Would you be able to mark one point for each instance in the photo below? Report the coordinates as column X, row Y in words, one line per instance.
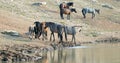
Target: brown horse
column 68, row 12
column 64, row 5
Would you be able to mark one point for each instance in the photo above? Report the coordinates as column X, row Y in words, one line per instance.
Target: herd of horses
column 66, row 8
column 41, row 28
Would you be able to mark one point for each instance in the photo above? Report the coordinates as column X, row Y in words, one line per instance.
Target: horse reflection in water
column 44, row 59
column 62, row 56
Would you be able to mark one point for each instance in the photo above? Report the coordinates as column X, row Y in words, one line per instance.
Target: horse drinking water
column 90, row 10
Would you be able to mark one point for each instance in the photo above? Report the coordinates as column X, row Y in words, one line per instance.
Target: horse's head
column 97, row 10
column 36, row 23
column 73, row 10
column 70, row 4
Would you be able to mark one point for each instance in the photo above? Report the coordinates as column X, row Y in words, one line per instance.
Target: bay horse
column 68, row 12
column 63, row 6
column 55, row 28
column 90, row 10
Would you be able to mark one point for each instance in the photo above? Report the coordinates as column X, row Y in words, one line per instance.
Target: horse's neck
column 96, row 11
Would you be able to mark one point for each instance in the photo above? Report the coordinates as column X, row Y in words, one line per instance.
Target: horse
column 90, row 10
column 39, row 30
column 70, row 30
column 31, row 32
column 63, row 6
column 55, row 28
column 68, row 12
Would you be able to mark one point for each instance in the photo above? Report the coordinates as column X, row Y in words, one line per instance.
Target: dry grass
column 20, row 14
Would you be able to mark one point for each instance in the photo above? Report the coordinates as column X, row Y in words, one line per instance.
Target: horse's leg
column 43, row 36
column 39, row 34
column 51, row 36
column 74, row 39
column 84, row 13
column 61, row 38
column 61, row 14
column 68, row 17
column 93, row 15
column 32, row 34
column 66, row 36
column 46, row 35
column 65, row 32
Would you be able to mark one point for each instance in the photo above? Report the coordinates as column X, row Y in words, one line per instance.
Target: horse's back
column 70, row 30
column 88, row 10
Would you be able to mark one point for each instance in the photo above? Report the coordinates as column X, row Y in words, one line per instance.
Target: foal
column 90, row 10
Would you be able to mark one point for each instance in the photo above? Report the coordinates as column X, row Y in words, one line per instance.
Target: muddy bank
column 24, row 52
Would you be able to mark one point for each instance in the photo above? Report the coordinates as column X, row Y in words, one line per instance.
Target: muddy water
column 97, row 53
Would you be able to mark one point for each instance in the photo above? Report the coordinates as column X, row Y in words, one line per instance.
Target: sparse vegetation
column 18, row 15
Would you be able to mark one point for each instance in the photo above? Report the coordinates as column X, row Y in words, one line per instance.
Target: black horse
column 39, row 30
column 68, row 12
column 90, row 10
column 55, row 28
column 64, row 5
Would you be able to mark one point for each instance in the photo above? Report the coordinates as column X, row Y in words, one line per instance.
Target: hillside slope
column 18, row 15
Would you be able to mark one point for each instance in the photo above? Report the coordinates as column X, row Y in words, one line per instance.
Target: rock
column 107, row 6
column 39, row 3
column 11, row 32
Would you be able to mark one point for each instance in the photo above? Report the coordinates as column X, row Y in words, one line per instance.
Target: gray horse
column 90, row 10
column 31, row 32
column 70, row 30
column 55, row 28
